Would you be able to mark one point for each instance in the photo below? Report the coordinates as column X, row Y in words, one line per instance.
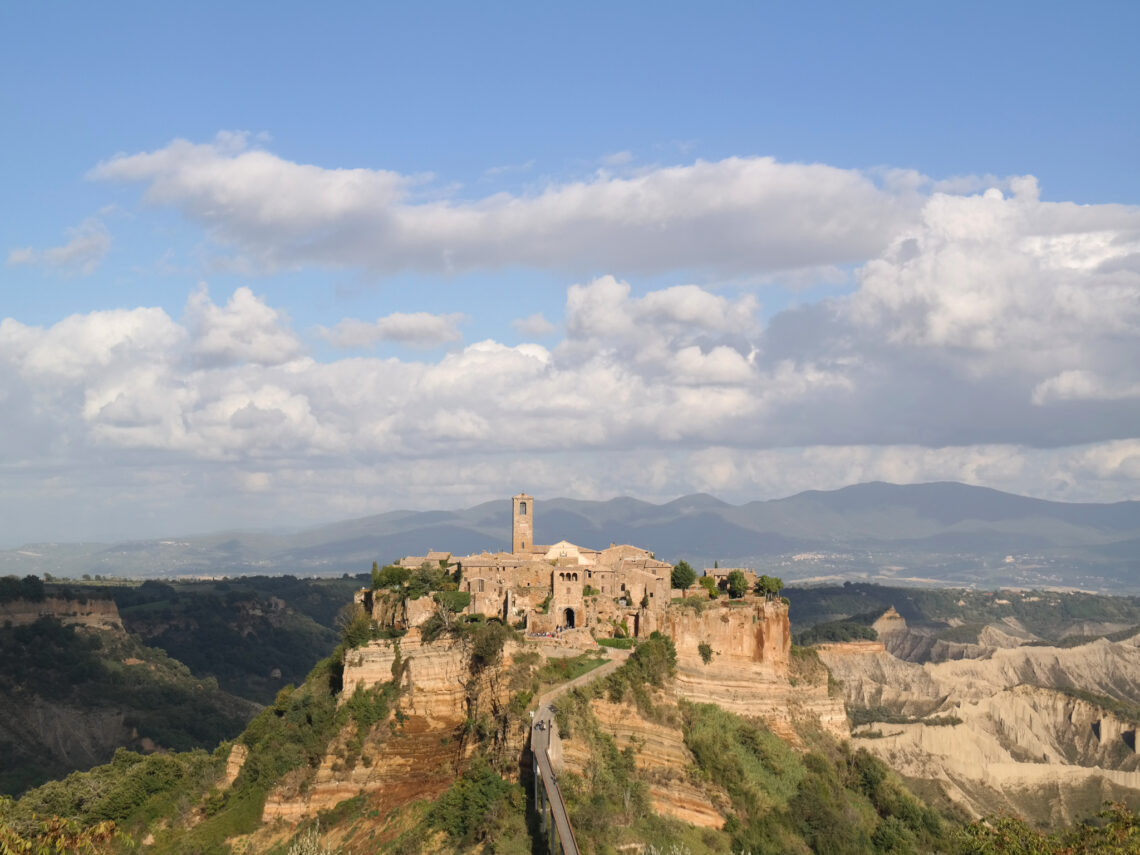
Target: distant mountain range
column 947, row 533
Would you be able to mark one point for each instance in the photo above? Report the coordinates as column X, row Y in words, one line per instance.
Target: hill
column 945, row 533
column 70, row 695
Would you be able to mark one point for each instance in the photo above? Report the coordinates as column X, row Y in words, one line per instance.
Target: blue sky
column 708, row 208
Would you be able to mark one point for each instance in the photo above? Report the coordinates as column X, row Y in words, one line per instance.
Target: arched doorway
column 568, row 622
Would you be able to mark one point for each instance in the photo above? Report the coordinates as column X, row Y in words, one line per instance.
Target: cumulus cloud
column 415, row 329
column 603, row 307
column 246, row 329
column 88, row 245
column 737, row 214
column 987, row 273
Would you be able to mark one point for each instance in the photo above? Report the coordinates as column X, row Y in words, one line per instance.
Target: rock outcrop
column 749, row 669
column 417, row 752
column 96, row 613
column 663, row 763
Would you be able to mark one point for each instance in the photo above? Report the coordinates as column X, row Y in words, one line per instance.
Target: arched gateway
column 568, row 621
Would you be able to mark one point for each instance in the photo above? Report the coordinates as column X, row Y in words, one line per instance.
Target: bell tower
column 522, row 529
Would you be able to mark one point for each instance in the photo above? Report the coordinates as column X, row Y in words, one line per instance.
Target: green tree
column 737, row 584
column 450, row 604
column 709, row 584
column 769, row 586
column 391, row 576
column 683, row 575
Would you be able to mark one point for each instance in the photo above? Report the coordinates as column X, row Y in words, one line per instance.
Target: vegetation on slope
column 83, row 673
column 1050, row 615
column 254, row 635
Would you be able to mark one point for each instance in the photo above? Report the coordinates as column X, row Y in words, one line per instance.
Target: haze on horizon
column 279, row 266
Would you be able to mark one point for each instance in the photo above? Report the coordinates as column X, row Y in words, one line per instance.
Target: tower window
column 522, row 509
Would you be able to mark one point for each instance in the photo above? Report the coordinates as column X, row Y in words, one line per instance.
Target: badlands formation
column 1004, row 724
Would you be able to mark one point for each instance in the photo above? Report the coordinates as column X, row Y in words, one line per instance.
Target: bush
column 453, row 601
column 465, row 810
column 706, row 652
column 487, row 642
column 391, row 576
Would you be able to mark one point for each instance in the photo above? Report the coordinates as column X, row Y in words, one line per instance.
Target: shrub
column 391, row 576
column 706, row 652
column 465, row 809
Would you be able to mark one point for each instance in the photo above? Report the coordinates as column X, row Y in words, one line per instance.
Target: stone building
column 621, row 588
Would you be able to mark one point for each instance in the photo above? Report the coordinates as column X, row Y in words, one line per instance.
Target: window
column 480, row 586
column 522, row 509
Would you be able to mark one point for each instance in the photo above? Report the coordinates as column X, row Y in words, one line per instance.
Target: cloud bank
column 738, row 214
column 991, row 337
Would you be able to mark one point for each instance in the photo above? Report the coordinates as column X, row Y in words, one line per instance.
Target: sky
column 274, row 265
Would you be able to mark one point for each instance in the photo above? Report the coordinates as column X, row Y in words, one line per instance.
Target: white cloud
column 604, row 308
column 534, row 325
column 617, row 158
column 988, row 273
column 415, row 329
column 89, row 244
column 244, row 330
column 1079, row 385
column 995, row 339
column 736, row 214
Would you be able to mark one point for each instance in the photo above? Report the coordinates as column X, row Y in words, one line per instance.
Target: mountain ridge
column 949, row 532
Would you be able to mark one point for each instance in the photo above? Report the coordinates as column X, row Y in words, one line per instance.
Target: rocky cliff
column 92, row 612
column 427, row 738
column 663, row 761
column 749, row 669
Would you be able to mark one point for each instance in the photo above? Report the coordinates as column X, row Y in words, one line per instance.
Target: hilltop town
column 560, row 587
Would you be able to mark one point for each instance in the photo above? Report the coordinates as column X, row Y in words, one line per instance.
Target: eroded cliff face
column 663, row 762
column 753, row 632
column 917, row 645
column 424, row 743
column 1023, row 742
column 749, row 672
column 94, row 613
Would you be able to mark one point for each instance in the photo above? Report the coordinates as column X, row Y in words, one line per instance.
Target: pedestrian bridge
column 548, row 801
